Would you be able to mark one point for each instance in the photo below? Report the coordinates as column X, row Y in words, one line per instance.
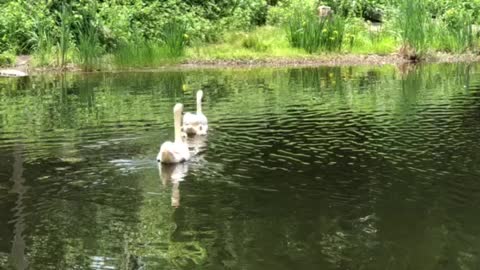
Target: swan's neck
column 177, row 125
column 199, row 103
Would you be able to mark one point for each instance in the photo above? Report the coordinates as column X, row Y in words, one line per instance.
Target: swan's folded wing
column 190, row 119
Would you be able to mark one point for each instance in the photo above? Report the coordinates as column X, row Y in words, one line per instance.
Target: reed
column 305, row 30
column 89, row 50
column 65, row 35
column 414, row 23
column 174, row 36
column 141, row 54
column 43, row 43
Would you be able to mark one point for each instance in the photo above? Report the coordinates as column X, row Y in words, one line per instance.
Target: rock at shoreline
column 325, row 12
column 12, row 73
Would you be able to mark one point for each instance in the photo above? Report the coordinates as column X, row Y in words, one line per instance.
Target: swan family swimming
column 193, row 125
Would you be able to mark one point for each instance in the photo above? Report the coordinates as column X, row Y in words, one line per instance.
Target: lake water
column 303, row 168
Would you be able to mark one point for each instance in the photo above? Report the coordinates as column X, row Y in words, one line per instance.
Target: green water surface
column 303, row 168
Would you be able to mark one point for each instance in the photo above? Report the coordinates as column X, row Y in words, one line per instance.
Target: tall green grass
column 174, row 36
column 305, row 30
column 254, row 42
column 43, row 43
column 63, row 45
column 413, row 22
column 147, row 53
column 141, row 54
column 89, row 50
column 456, row 37
column 420, row 32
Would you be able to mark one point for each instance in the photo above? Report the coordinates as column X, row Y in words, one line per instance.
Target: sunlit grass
column 273, row 44
column 277, row 46
column 143, row 54
column 382, row 45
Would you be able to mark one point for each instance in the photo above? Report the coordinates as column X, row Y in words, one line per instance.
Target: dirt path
column 20, row 69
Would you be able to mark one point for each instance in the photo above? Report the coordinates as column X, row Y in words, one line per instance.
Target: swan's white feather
column 173, row 152
column 177, row 151
column 196, row 123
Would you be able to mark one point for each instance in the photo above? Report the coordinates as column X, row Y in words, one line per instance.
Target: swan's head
column 178, row 109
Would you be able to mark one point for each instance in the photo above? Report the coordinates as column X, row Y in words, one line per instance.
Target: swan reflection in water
column 197, row 144
column 176, row 173
column 173, row 173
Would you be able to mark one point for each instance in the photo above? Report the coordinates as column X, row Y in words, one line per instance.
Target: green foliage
column 42, row 43
column 372, row 10
column 7, row 58
column 305, row 30
column 439, row 8
column 420, row 30
column 361, row 37
column 254, row 42
column 368, row 9
column 281, row 13
column 90, row 31
column 141, row 53
column 119, row 20
column 459, row 38
column 89, row 49
column 65, row 36
column 175, row 37
column 413, row 22
column 15, row 25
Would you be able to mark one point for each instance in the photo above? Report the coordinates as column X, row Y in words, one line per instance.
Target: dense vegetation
column 124, row 33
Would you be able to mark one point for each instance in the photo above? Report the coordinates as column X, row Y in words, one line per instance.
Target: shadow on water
column 331, row 168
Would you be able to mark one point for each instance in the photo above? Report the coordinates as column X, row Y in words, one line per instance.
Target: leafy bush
column 7, row 58
column 15, row 27
column 372, row 10
column 281, row 13
column 368, row 9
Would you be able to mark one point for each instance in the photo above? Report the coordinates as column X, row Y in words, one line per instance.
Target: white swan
column 177, row 151
column 196, row 123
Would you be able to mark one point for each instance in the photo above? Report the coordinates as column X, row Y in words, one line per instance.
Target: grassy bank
column 266, row 45
column 292, row 32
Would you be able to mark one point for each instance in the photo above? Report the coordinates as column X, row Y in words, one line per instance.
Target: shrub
column 15, row 27
column 368, row 9
column 281, row 13
column 7, row 58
